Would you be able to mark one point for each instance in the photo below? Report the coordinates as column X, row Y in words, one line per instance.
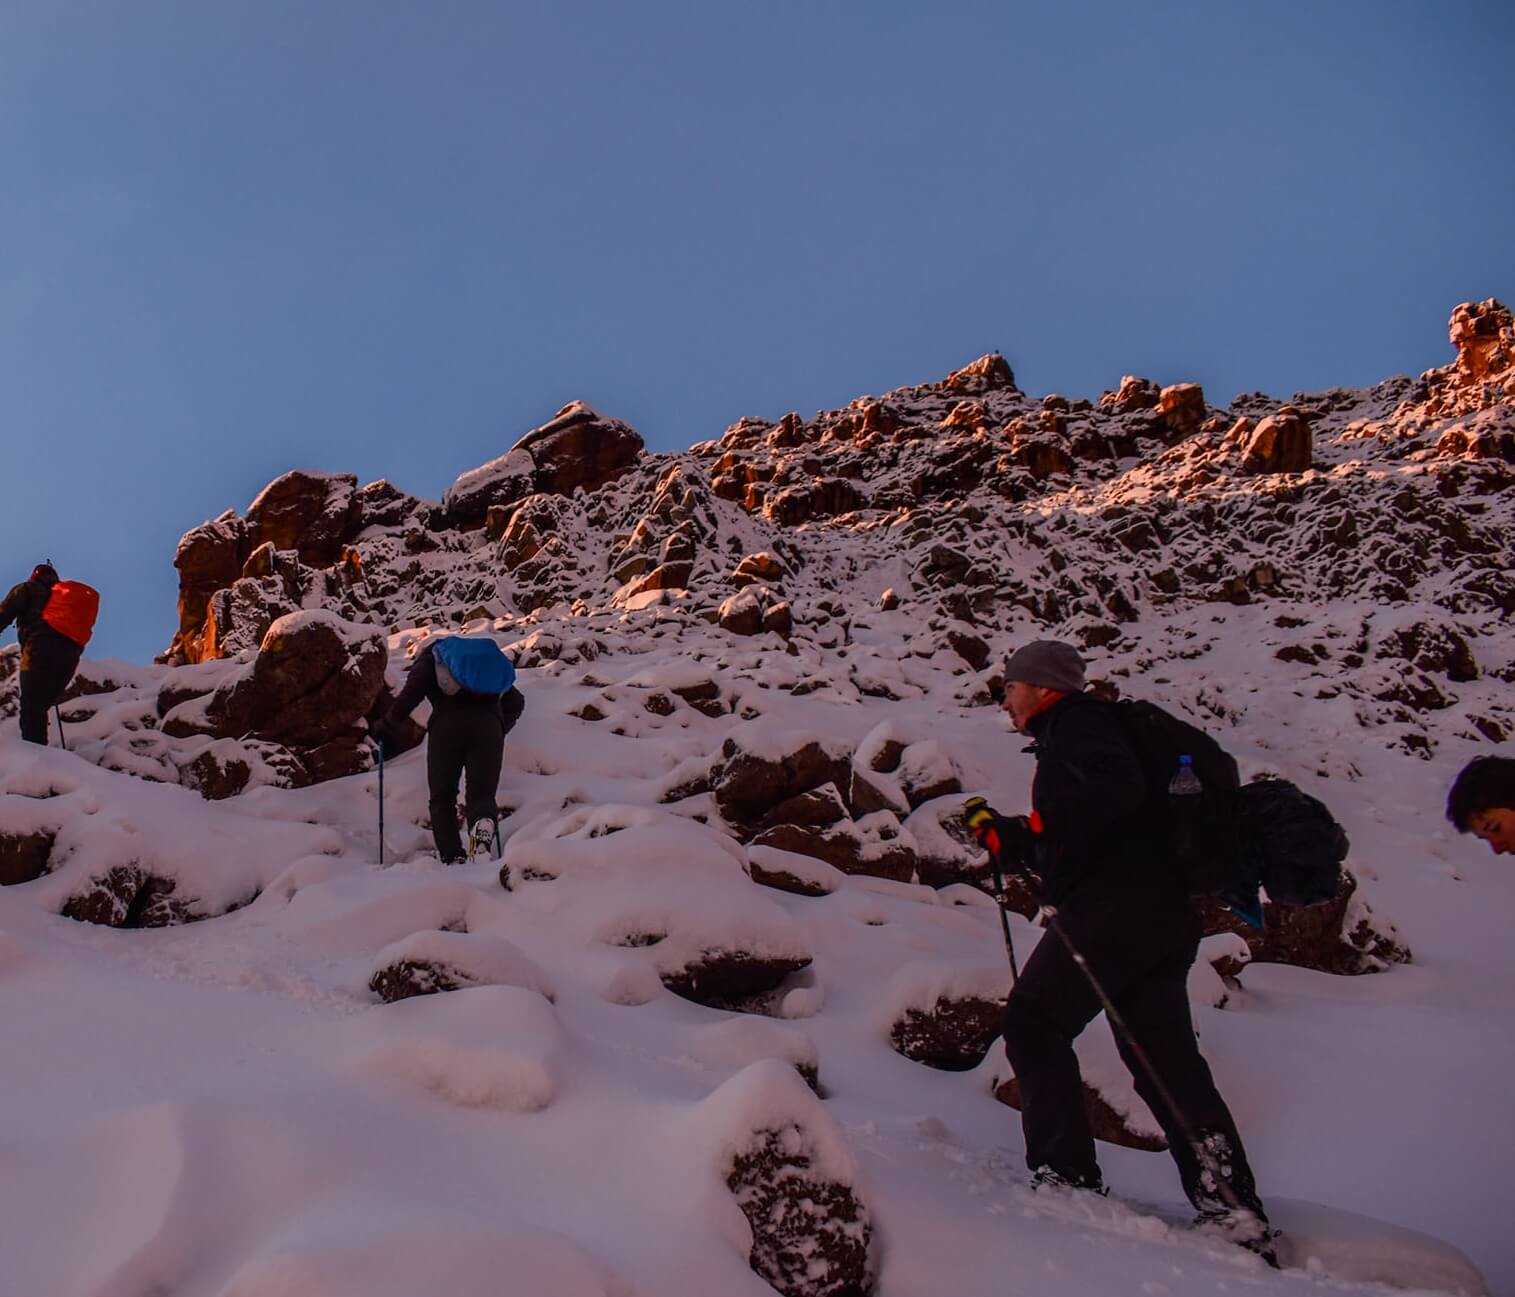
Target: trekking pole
column 1202, row 1154
column 58, row 712
column 379, row 749
column 972, row 807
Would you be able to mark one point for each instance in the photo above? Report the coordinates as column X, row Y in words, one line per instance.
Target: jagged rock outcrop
column 578, row 448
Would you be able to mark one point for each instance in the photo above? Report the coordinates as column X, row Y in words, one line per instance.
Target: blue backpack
column 474, row 666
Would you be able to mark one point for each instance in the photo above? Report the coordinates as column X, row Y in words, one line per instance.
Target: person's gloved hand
column 1008, row 839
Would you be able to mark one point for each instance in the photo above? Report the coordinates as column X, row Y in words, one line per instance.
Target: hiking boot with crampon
column 1244, row 1228
column 481, row 839
column 1045, row 1178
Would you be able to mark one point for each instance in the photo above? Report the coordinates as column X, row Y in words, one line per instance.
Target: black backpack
column 1232, row 837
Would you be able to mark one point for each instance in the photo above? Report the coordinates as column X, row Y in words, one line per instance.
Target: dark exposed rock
column 24, row 856
column 954, row 1035
column 578, row 448
column 128, row 896
column 1182, row 408
column 749, row 785
column 310, row 513
column 725, row 979
column 314, row 678
column 1282, row 443
column 214, row 776
column 409, row 977
column 846, row 847
column 810, row 1236
column 818, row 808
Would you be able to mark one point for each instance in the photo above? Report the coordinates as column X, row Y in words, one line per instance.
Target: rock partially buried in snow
column 129, row 896
column 24, row 856
column 1105, row 1122
column 793, row 872
column 481, row 1047
column 790, row 1172
column 738, row 1042
column 945, row 1015
column 875, row 845
column 731, row 978
column 426, row 963
column 761, row 767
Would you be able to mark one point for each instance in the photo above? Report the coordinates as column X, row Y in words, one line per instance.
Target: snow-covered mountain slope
column 741, row 966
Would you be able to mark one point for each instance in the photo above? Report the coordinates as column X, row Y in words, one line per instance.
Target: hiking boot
column 1245, row 1228
column 480, row 839
column 1044, row 1177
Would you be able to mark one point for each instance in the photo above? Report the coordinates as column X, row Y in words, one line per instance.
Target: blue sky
column 388, row 238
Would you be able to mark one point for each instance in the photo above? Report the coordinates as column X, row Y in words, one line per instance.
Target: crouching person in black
column 466, row 736
column 1121, row 906
column 48, row 657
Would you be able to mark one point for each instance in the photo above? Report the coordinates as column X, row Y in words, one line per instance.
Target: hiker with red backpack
column 1122, row 937
column 54, row 620
column 470, row 684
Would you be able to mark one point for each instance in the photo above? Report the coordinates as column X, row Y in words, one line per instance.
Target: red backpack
column 71, row 610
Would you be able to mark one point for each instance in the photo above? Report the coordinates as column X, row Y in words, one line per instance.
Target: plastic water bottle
column 1185, row 783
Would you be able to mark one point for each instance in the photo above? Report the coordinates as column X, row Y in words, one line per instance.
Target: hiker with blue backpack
column 470, row 684
column 54, row 620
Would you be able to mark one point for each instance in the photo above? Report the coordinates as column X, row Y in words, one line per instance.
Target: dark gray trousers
column 1139, row 940
column 462, row 742
column 48, row 663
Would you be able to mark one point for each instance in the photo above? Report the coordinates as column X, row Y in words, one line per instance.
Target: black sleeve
column 421, row 681
column 15, row 604
column 512, row 704
column 1090, row 779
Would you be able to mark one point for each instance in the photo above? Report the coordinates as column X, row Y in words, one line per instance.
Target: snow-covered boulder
column 761, row 766
column 791, row 1174
column 429, row 962
column 314, row 678
column 945, row 1014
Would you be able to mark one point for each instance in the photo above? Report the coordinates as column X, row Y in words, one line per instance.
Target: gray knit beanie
column 1049, row 663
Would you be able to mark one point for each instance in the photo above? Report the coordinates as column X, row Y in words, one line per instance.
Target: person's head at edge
column 1037, row 675
column 1482, row 802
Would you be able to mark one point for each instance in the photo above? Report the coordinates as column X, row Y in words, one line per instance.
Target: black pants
column 459, row 740
column 48, row 663
column 1139, row 939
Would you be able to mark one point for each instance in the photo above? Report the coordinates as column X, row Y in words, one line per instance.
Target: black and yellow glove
column 1008, row 839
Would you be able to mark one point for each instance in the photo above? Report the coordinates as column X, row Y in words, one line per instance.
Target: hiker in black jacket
column 466, row 734
column 1099, row 852
column 48, row 657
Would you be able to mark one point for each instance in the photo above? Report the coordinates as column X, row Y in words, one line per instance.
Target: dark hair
column 1484, row 784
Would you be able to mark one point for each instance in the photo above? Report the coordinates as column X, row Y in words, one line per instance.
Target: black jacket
column 1092, row 798
column 421, row 683
column 24, row 605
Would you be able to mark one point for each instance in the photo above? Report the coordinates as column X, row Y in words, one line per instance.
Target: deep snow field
column 224, row 1109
